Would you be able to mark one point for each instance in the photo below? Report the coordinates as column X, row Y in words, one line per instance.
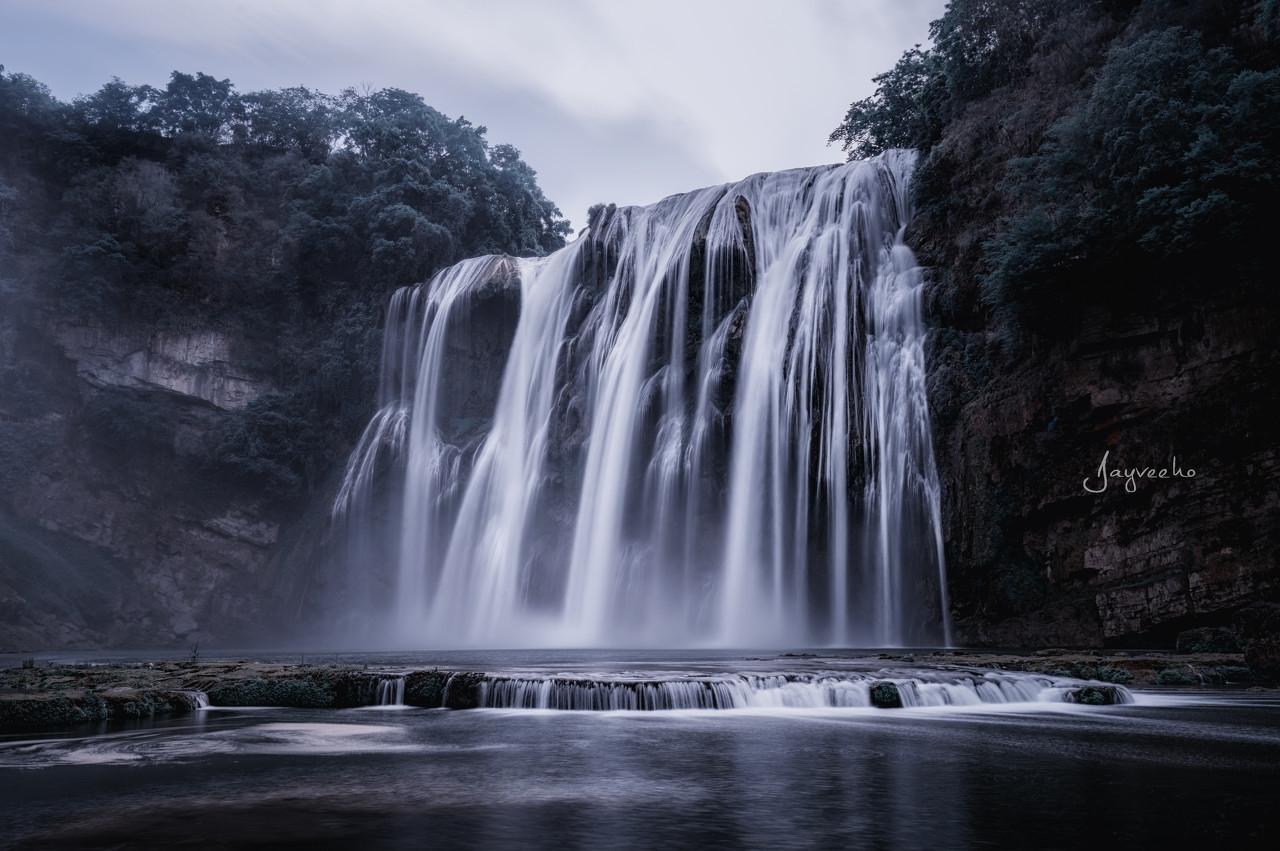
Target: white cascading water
column 390, row 692
column 711, row 428
column 789, row 690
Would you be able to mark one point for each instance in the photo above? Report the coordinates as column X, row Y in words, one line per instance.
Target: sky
column 609, row 101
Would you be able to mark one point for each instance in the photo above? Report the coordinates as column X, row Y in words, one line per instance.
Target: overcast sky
column 608, row 100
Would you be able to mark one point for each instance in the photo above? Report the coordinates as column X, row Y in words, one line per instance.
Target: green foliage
column 1173, row 155
column 978, row 45
column 984, row 44
column 904, row 112
column 1100, row 672
column 272, row 442
column 1085, row 156
column 286, row 216
column 1174, row 677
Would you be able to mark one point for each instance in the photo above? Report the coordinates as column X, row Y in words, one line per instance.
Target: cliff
column 192, row 282
column 1092, row 207
column 1037, row 559
column 116, row 529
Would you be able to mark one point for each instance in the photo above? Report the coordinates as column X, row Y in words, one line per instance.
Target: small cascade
column 390, row 691
column 200, row 699
column 781, row 690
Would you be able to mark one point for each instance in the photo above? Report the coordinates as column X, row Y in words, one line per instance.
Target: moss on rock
column 885, row 695
column 1208, row 639
column 1176, row 677
column 48, row 710
column 425, row 688
column 303, row 692
column 1095, row 695
column 462, row 691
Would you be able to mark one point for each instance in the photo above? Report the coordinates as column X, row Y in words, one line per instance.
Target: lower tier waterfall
column 782, row 690
column 702, row 422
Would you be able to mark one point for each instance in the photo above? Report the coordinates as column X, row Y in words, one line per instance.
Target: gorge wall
column 1033, row 557
column 114, row 528
column 1093, row 196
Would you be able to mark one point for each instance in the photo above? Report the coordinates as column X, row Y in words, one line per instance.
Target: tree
column 284, row 215
column 197, row 104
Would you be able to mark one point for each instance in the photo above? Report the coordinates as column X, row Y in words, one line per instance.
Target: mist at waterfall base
column 710, row 428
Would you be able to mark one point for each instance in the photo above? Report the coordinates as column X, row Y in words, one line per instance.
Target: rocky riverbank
column 36, row 695
column 39, row 695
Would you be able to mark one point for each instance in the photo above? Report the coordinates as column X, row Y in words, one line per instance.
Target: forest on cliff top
column 284, row 217
column 1084, row 153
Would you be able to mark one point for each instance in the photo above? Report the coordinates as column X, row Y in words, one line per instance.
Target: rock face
column 43, row 712
column 1033, row 557
column 195, row 364
column 116, row 527
column 114, row 531
column 1260, row 634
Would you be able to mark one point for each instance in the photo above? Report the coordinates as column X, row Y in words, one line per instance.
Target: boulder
column 1095, row 695
column 885, row 695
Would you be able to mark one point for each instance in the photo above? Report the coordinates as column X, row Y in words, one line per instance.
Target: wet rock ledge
column 38, row 696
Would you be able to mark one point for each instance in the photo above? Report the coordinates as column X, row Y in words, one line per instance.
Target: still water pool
column 1185, row 769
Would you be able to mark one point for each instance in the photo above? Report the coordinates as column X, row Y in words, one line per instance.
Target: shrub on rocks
column 1259, row 631
column 1176, row 677
column 1209, row 639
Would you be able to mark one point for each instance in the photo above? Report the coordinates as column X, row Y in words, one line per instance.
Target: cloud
column 625, row 102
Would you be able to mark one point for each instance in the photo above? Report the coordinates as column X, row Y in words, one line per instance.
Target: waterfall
column 702, row 422
column 390, row 691
column 792, row 690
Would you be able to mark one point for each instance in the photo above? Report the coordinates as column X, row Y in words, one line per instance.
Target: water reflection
column 492, row 778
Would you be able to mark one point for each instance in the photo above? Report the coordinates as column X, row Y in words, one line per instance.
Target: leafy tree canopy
column 1087, row 153
column 285, row 215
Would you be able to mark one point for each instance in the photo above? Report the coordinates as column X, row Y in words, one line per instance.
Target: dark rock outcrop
column 48, row 711
column 48, row 696
column 1096, row 695
column 885, row 695
column 426, row 688
column 113, row 528
column 1033, row 557
column 1259, row 629
column 462, row 690
column 302, row 692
